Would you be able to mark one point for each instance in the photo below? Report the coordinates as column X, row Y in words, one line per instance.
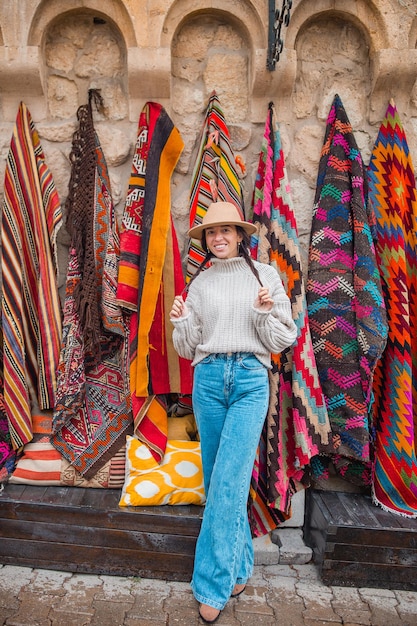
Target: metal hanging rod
column 277, row 17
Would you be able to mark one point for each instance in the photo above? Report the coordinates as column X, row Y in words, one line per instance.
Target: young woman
column 236, row 313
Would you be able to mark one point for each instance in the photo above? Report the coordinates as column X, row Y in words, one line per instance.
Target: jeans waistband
column 231, row 355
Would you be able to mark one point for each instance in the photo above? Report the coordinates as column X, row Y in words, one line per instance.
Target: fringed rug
column 345, row 304
column 393, row 197
column 215, row 176
column 92, row 414
column 150, row 275
column 297, row 423
column 31, row 311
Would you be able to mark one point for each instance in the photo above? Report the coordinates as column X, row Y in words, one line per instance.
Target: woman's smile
column 223, row 241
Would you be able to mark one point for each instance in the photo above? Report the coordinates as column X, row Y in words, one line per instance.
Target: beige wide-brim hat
column 219, row 213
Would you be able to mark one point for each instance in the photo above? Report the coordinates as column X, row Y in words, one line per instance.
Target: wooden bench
column 84, row 530
column 356, row 543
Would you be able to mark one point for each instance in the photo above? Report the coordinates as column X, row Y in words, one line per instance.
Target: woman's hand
column 264, row 300
column 179, row 308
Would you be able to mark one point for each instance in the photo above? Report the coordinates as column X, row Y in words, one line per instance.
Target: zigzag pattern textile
column 214, row 177
column 297, row 423
column 92, row 414
column 31, row 311
column 150, row 274
column 393, row 196
column 345, row 304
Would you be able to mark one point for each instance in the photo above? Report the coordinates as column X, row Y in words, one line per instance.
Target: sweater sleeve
column 276, row 328
column 187, row 331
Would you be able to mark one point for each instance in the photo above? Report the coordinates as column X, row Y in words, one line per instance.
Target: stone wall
column 177, row 51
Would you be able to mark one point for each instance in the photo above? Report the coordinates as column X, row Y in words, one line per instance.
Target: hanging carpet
column 92, row 414
column 8, row 455
column 345, row 304
column 393, row 196
column 150, row 275
column 31, row 312
column 297, row 422
column 214, row 177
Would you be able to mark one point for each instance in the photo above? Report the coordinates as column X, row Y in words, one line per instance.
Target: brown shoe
column 209, row 614
column 237, row 590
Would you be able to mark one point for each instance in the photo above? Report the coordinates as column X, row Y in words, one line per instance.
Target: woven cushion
column 110, row 476
column 42, row 464
column 178, row 480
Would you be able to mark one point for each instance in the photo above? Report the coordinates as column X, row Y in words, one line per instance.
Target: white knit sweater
column 222, row 317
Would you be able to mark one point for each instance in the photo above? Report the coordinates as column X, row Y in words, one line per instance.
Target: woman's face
column 222, row 241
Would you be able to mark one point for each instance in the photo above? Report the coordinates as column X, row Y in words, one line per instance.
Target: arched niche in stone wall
column 114, row 10
column 84, row 49
column 247, row 23
column 392, row 63
column 209, row 52
column 363, row 21
column 362, row 13
column 105, row 31
column 332, row 57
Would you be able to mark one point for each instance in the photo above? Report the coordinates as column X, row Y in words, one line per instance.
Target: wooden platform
column 84, row 530
column 358, row 544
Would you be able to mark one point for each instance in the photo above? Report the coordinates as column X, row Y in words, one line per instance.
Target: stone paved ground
column 277, row 595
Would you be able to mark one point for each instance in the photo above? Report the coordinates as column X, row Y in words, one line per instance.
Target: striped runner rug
column 8, row 455
column 150, row 275
column 30, row 307
column 297, row 422
column 215, row 176
column 393, row 196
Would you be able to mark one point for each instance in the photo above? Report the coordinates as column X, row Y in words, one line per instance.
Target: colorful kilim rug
column 8, row 456
column 214, row 177
column 31, row 311
column 345, row 304
column 297, row 422
column 92, row 414
column 393, row 196
column 150, row 275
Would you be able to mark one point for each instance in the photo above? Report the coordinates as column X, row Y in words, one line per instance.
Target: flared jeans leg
column 230, row 401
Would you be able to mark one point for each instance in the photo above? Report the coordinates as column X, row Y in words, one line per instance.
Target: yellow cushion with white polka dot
column 177, row 480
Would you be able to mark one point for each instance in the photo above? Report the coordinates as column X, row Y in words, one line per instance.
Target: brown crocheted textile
column 80, row 224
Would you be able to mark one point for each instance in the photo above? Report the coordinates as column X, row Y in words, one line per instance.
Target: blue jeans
column 230, row 402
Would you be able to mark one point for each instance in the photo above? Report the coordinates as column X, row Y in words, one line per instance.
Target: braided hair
column 244, row 251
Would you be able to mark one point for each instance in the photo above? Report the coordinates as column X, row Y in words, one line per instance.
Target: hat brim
column 197, row 231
